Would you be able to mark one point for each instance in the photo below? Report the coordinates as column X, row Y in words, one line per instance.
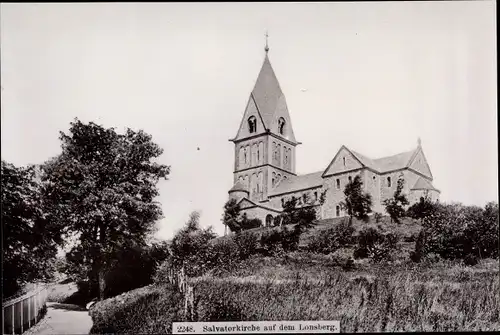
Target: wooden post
column 3, row 321
column 13, row 321
column 29, row 312
column 22, row 310
column 35, row 308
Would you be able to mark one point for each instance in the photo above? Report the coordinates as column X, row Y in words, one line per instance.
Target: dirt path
column 63, row 319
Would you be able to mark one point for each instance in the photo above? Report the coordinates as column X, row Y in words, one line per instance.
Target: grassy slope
column 403, row 296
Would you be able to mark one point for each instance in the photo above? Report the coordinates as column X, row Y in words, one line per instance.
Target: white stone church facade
column 264, row 165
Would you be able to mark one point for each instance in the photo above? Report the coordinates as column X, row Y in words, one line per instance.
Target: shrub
column 250, row 223
column 376, row 245
column 332, row 238
column 454, row 231
column 378, row 217
column 190, row 247
column 471, row 260
column 247, row 243
column 271, row 243
column 395, row 206
column 357, row 203
column 148, row 310
column 133, row 267
column 222, row 254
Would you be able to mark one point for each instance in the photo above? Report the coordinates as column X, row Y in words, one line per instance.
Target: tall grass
column 442, row 296
column 402, row 302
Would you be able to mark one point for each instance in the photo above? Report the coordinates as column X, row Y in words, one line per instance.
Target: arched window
column 315, row 196
column 261, row 152
column 269, row 220
column 254, row 154
column 260, row 183
column 285, row 158
column 241, row 156
column 349, row 178
column 344, row 160
column 337, row 210
column 281, row 126
column 273, row 180
column 246, row 155
column 252, row 124
column 389, row 182
column 282, row 202
column 304, row 197
column 253, row 185
column 278, row 155
column 338, row 184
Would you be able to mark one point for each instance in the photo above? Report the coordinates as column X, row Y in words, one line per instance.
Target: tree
column 356, row 203
column 422, row 209
column 102, row 188
column 395, row 206
column 231, row 217
column 30, row 240
column 190, row 246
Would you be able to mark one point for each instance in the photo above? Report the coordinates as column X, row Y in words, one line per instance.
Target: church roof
column 239, row 186
column 269, row 97
column 386, row 164
column 297, row 183
column 423, row 184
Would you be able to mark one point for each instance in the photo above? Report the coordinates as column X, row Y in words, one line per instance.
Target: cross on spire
column 267, row 46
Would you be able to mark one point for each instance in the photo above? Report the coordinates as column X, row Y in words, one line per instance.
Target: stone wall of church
column 312, row 193
column 250, row 153
column 281, row 154
column 415, row 195
column 259, row 213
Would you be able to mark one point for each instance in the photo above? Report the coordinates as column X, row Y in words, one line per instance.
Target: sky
column 372, row 76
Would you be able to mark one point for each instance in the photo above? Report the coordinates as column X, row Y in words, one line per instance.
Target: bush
column 332, row 238
column 378, row 217
column 250, row 223
column 148, row 310
column 471, row 260
column 454, row 231
column 270, row 243
column 191, row 247
column 133, row 267
column 247, row 244
column 377, row 245
column 222, row 254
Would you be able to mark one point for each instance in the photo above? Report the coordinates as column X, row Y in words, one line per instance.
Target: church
column 264, row 164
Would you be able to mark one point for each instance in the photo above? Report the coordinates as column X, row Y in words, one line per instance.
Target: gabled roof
column 384, row 164
column 297, row 183
column 239, row 186
column 395, row 162
column 423, row 184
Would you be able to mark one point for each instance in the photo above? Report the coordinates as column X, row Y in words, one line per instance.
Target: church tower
column 264, row 146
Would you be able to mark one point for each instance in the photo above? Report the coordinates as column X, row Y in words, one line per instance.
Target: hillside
column 408, row 229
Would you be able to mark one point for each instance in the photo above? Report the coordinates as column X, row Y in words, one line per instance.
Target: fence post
column 13, row 323
column 29, row 312
column 36, row 308
column 22, row 310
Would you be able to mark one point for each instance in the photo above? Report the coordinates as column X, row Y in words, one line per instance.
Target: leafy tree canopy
column 102, row 188
column 357, row 203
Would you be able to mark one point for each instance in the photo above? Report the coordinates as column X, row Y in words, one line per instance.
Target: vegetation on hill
column 395, row 206
column 29, row 237
column 356, row 203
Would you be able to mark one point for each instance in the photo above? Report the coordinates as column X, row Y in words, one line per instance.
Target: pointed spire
column 419, row 141
column 267, row 46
